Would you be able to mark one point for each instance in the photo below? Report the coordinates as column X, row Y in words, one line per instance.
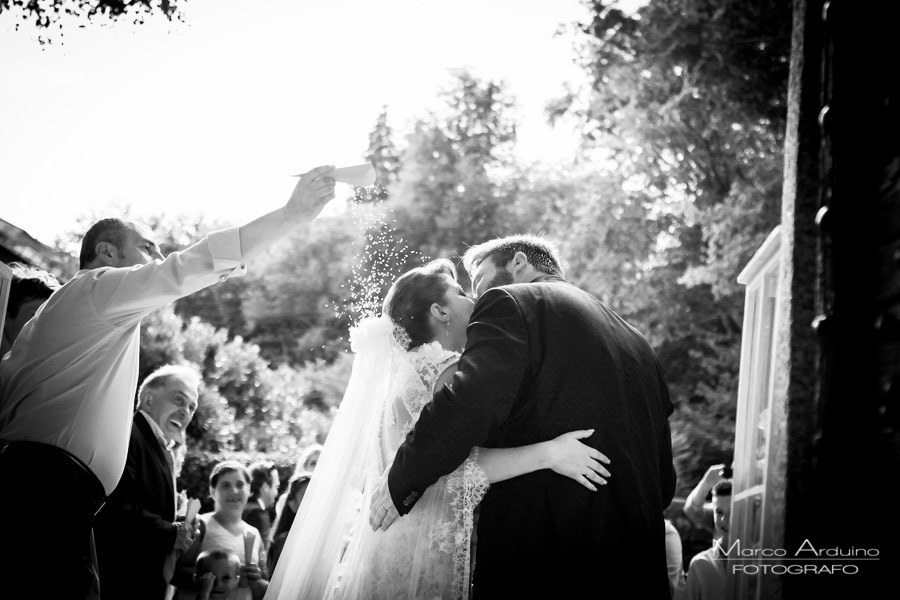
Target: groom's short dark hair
column 541, row 253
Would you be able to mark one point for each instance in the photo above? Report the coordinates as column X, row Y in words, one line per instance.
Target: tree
column 294, row 297
column 687, row 98
column 45, row 14
column 450, row 189
column 245, row 406
column 382, row 152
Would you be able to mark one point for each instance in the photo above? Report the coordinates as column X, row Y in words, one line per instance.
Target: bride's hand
column 578, row 461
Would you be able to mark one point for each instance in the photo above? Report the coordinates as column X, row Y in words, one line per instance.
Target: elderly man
column 67, row 386
column 136, row 530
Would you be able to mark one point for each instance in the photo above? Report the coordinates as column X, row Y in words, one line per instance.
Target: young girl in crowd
column 223, row 529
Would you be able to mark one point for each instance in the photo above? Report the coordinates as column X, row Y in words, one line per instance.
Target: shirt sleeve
column 674, row 558
column 225, row 249
column 125, row 295
column 462, row 414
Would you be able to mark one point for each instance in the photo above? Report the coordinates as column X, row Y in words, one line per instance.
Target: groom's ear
column 518, row 262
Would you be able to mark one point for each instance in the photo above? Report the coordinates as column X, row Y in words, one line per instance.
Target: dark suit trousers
column 48, row 505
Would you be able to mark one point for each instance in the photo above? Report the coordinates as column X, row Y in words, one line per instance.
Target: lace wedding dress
column 332, row 551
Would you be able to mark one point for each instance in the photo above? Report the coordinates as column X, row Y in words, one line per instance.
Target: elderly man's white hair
column 160, row 378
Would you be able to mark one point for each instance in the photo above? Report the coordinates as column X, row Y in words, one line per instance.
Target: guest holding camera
column 706, row 576
column 696, row 508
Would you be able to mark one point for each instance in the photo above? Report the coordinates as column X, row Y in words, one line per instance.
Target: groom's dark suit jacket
column 134, row 531
column 544, row 358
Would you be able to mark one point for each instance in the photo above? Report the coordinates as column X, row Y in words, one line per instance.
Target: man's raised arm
column 314, row 190
column 125, row 295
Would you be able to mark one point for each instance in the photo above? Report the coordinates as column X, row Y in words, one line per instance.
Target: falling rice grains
column 381, row 260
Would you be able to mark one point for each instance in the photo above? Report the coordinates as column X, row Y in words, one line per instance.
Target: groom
column 544, row 357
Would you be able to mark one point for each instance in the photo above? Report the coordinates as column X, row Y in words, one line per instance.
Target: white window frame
column 5, row 282
column 756, row 385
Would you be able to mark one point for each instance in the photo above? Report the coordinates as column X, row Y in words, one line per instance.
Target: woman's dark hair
column 28, row 283
column 297, row 483
column 286, row 519
column 410, row 298
column 260, row 473
column 225, row 467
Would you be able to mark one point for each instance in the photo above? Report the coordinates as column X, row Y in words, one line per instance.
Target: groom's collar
column 546, row 277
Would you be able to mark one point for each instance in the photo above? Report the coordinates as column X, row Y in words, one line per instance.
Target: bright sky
column 214, row 114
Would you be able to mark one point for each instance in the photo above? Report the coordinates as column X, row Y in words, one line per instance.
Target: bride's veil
column 335, row 497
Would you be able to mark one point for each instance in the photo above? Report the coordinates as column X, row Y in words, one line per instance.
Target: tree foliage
column 450, row 193
column 382, row 151
column 52, row 14
column 294, row 297
column 245, row 406
column 687, row 98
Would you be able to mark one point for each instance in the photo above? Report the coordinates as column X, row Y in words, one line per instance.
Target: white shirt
column 168, row 452
column 156, row 429
column 674, row 558
column 705, row 577
column 71, row 376
column 217, row 537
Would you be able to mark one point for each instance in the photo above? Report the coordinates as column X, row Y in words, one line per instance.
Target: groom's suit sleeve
column 480, row 396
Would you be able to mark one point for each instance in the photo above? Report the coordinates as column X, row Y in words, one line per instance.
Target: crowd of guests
column 145, row 546
column 68, row 398
column 142, row 537
column 244, row 532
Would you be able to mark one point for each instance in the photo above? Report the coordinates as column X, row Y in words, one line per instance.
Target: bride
column 401, row 358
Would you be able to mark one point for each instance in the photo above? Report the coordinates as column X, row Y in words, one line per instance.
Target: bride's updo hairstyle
column 409, row 300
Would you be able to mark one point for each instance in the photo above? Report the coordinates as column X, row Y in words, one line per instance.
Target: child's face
column 231, row 492
column 226, row 573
